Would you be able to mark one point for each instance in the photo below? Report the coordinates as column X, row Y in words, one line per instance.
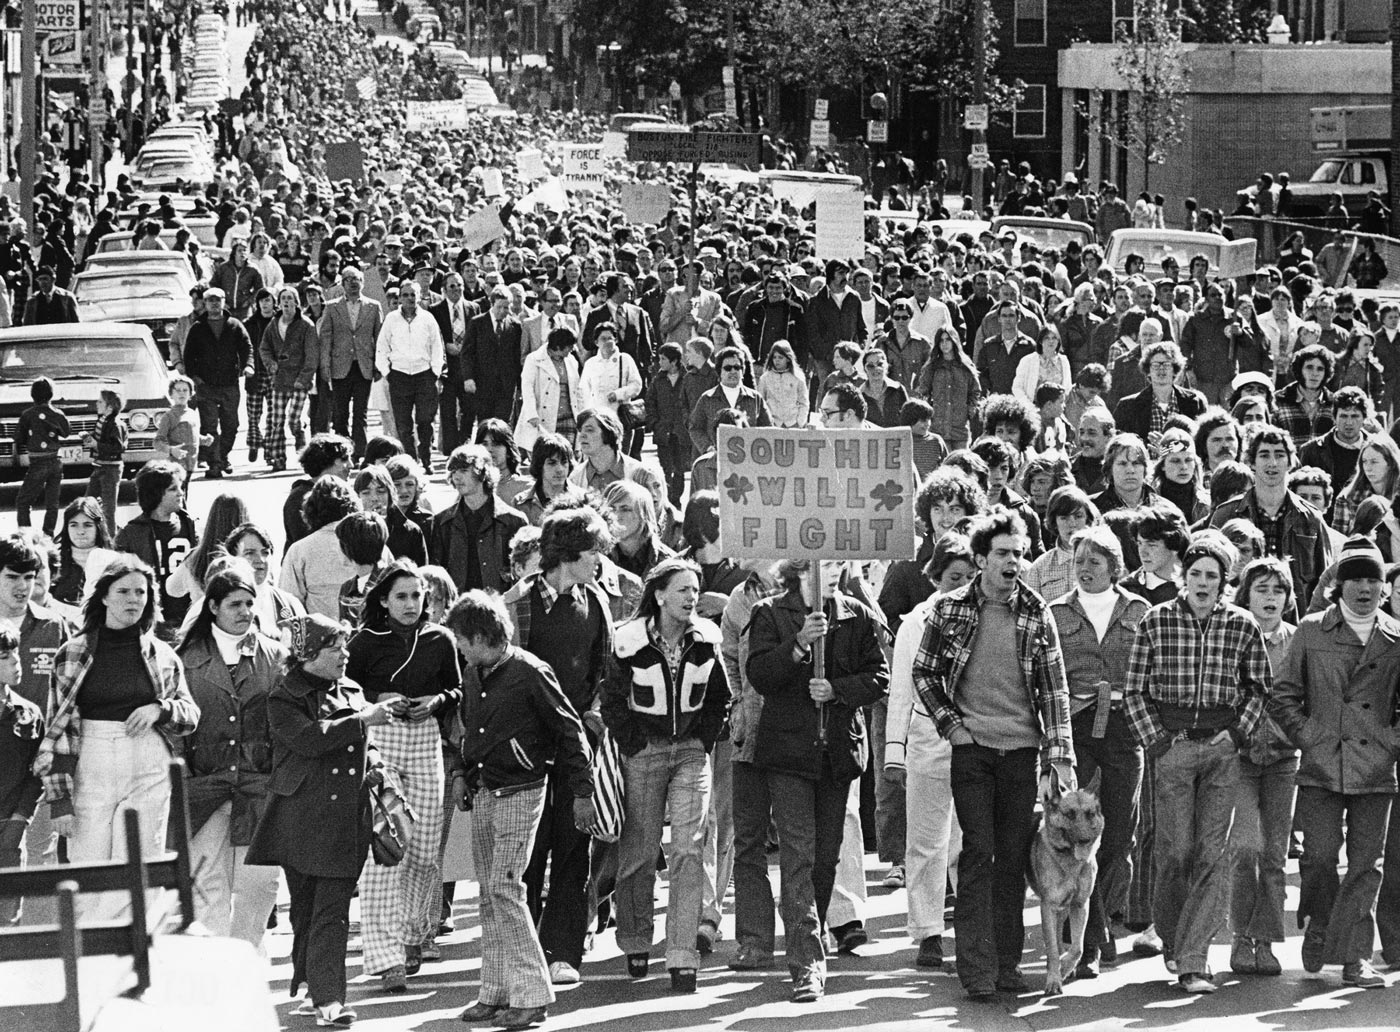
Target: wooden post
column 814, row 571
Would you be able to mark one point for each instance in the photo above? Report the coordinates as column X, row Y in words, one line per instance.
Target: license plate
column 73, row 453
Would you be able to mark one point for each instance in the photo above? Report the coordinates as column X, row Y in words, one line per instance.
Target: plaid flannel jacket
column 1181, row 661
column 947, row 647
column 58, row 755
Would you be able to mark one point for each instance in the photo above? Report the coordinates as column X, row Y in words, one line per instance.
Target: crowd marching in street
column 1175, row 501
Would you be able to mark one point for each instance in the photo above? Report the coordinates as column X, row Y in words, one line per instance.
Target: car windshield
column 1045, row 237
column 1153, row 251
column 72, row 359
column 1327, row 172
column 117, row 287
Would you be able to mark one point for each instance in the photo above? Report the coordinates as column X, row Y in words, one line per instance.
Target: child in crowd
column 362, row 537
column 668, row 419
column 1249, row 545
column 525, row 552
column 1068, row 511
column 929, row 448
column 409, row 482
column 700, row 375
column 1055, row 433
column 704, row 471
column 108, row 447
column 39, row 435
column 846, row 359
column 178, row 435
column 442, row 592
column 21, row 731
column 381, row 448
column 783, row 387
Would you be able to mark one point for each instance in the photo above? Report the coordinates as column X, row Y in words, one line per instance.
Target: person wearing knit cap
column 1198, row 678
column 1335, row 700
column 1376, row 523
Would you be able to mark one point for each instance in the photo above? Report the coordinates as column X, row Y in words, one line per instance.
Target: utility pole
column 147, row 59
column 1394, row 116
column 97, row 91
column 29, row 110
column 979, row 91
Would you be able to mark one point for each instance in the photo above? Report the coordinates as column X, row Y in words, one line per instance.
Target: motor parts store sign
column 816, row 494
column 58, row 16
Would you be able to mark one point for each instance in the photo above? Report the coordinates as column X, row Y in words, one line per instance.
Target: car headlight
column 140, row 421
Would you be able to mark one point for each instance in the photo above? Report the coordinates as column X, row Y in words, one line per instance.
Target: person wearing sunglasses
column 729, row 394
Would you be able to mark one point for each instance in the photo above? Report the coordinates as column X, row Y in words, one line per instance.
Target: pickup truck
column 1353, row 148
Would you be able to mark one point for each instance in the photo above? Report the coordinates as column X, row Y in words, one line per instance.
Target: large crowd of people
column 1173, row 499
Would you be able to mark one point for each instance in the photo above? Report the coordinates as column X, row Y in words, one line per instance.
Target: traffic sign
column 975, row 116
column 58, row 15
column 878, row 132
column 819, row 135
column 978, row 161
column 980, row 150
column 691, row 148
column 820, row 108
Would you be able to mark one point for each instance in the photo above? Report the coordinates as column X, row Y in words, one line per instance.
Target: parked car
column 82, row 359
column 1045, row 234
column 1229, row 259
column 153, row 297
column 133, row 263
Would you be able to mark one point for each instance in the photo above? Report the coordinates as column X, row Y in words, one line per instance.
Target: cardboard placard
column 840, row 224
column 549, row 195
column 583, row 166
column 529, row 165
column 819, row 133
column 614, row 145
column 436, row 115
column 646, row 203
column 483, row 227
column 345, row 161
column 816, row 494
column 491, row 182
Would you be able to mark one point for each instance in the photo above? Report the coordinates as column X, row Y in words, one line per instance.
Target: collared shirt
column 1181, row 661
column 409, row 347
column 1161, row 414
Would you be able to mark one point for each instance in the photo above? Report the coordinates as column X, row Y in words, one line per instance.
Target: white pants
column 933, row 837
column 230, row 898
column 116, row 773
column 848, row 894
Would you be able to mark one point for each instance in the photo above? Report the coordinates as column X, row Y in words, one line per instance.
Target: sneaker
column 445, row 928
column 1149, row 943
column 561, row 972
column 1314, row 939
column 751, row 958
column 1088, row 966
column 683, row 980
column 894, row 878
column 412, row 959
column 705, row 938
column 304, row 1008
column 849, row 937
column 1264, row 960
column 807, row 988
column 1361, row 975
column 430, row 950
column 395, row 980
column 335, row 1015
column 930, row 953
column 1194, row 983
column 1243, row 958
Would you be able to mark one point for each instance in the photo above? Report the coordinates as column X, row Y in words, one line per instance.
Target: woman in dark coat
column 317, row 823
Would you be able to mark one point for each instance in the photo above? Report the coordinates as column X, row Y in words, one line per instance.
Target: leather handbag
column 392, row 821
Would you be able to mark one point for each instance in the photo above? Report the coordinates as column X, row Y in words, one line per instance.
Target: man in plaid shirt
column 999, row 717
column 1198, row 678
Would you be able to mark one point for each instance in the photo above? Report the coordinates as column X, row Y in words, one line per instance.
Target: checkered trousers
column 284, row 406
column 257, row 407
column 513, row 969
column 393, row 900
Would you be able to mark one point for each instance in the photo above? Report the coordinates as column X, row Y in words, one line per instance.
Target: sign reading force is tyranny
column 816, row 494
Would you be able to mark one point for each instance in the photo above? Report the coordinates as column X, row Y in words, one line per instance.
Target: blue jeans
column 415, row 401
column 1346, row 907
column 994, row 794
column 753, row 889
column 43, row 480
column 104, row 483
column 1388, row 903
column 1119, row 760
column 678, row 774
column 1263, row 819
column 1196, row 784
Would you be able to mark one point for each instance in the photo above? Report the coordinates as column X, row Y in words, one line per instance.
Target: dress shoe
column 253, row 453
column 1243, row 960
column 430, row 950
column 1196, row 983
column 894, row 879
column 395, row 980
column 751, row 958
column 1012, row 981
column 1148, row 943
column 849, row 937
column 412, row 959
column 1264, row 960
column 482, row 1013
column 520, row 1017
column 1314, row 939
column 1088, row 966
column 705, row 938
column 637, row 964
column 930, row 953
column 683, row 980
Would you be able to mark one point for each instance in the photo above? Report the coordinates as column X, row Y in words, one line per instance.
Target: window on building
column 1030, row 23
column 1124, row 13
column 1029, row 119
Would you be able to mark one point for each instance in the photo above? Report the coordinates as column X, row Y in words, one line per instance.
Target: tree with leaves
column 1152, row 62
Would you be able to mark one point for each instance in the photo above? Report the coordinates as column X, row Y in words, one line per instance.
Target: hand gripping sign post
column 816, row 494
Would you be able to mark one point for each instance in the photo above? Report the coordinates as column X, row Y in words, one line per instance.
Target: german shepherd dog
column 1063, row 866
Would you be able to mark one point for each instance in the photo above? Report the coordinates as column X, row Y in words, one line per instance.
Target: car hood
column 74, row 398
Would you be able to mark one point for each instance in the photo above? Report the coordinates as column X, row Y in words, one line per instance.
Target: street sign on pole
column 819, row 135
column 978, row 161
column 980, row 150
column 819, row 109
column 878, row 132
column 694, row 148
column 975, row 116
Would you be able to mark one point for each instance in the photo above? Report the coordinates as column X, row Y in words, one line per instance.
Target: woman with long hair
column 398, row 655
column 231, row 672
column 783, row 386
column 496, row 436
column 291, row 353
column 118, row 706
column 1177, row 475
column 259, row 385
column 551, row 462
column 1377, row 475
column 665, row 706
column 950, row 383
column 375, row 489
column 323, row 766
column 639, row 546
column 84, row 528
column 273, row 608
column 225, row 512
column 1048, row 365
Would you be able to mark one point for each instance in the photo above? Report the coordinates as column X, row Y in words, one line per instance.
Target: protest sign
column 491, row 183
column 483, row 227
column 529, row 165
column 819, row 133
column 614, row 145
column 345, row 161
column 583, row 166
column 392, row 176
column 646, row 202
column 436, row 115
column 816, row 494
column 840, row 224
column 549, row 195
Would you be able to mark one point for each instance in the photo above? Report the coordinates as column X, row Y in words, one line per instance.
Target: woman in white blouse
column 609, row 377
column 1047, row 365
column 551, row 391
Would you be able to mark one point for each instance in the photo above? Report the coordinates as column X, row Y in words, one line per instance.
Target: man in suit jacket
column 491, row 358
column 535, row 331
column 349, row 328
column 49, row 304
column 634, row 333
column 457, row 409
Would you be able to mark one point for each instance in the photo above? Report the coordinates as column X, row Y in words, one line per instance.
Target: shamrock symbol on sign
column 738, row 488
column 890, row 495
